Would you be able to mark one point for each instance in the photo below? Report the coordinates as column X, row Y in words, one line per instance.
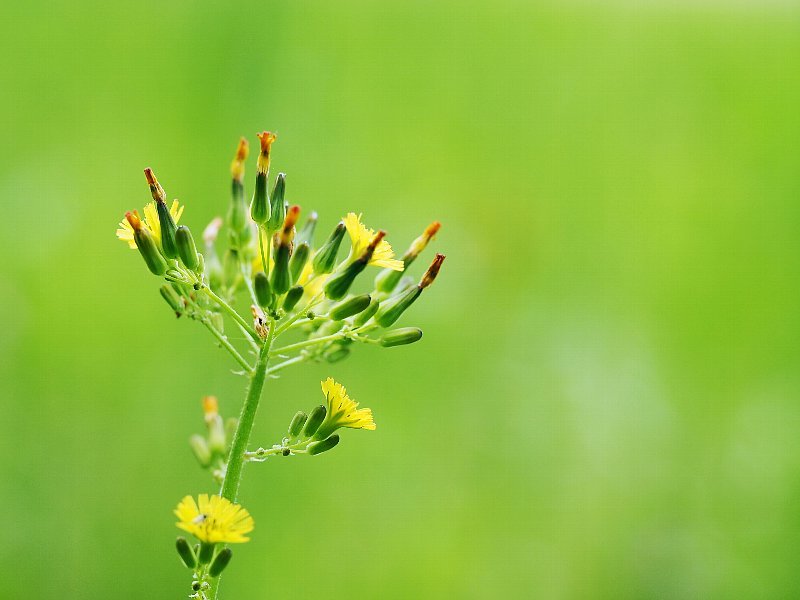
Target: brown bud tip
column 150, row 176
column 377, row 240
column 266, row 138
column 432, row 271
column 134, row 220
column 155, row 188
column 432, row 229
column 292, row 215
column 210, row 406
column 243, row 149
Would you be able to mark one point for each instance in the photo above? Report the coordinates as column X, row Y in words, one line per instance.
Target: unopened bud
column 367, row 313
column 266, row 138
column 168, row 229
column 306, row 234
column 299, row 259
column 155, row 188
column 220, row 562
column 338, row 285
column 262, row 289
column 292, row 297
column 297, row 424
column 395, row 306
column 186, row 247
column 230, row 267
column 350, row 307
column 146, row 245
column 172, row 298
column 401, row 337
column 432, row 271
column 339, row 354
column 206, row 553
column 315, row 419
column 387, row 279
column 278, row 210
column 315, row 448
column 237, row 166
column 185, row 552
column 280, row 279
column 200, row 450
column 325, row 257
column 259, row 206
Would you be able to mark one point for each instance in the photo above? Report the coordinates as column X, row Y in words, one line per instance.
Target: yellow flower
column 360, row 237
column 342, row 411
column 125, row 231
column 214, row 519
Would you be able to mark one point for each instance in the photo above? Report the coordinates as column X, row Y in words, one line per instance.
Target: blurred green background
column 605, row 404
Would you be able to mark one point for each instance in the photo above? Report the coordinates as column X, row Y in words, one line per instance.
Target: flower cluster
column 297, row 289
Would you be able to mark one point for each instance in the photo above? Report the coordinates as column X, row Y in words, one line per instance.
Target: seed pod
column 200, row 450
column 350, row 307
column 395, row 306
column 185, row 552
column 262, row 289
column 315, row 419
column 146, row 245
column 173, row 299
column 292, row 297
column 220, row 562
column 315, row 448
column 401, row 337
column 367, row 313
column 299, row 259
column 297, row 424
column 325, row 257
column 278, row 211
column 186, row 247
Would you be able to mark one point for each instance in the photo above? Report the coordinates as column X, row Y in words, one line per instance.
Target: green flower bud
column 168, row 243
column 299, row 259
column 340, row 282
column 216, row 435
column 186, row 247
column 306, row 234
column 325, row 257
column 206, row 553
column 280, row 279
column 259, row 206
column 173, row 299
column 278, row 213
column 401, row 337
column 146, row 245
column 297, row 424
column 315, row 448
column 200, row 450
column 315, row 419
column 262, row 289
column 230, row 267
column 185, row 552
column 350, row 307
column 395, row 306
column 237, row 212
column 367, row 313
column 337, row 355
column 292, row 297
column 220, row 562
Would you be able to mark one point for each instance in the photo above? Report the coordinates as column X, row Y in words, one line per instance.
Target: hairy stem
column 233, row 314
column 227, row 345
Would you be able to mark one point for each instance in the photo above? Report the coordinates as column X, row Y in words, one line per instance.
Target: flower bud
column 186, row 247
column 262, row 289
column 401, row 337
column 280, row 278
column 216, row 436
column 200, row 450
column 306, row 234
column 387, row 279
column 334, row 356
column 315, row 448
column 278, row 212
column 350, row 307
column 220, row 562
column 325, row 257
column 315, row 419
column 432, row 271
column 297, row 423
column 367, row 313
column 168, row 242
column 340, row 282
column 292, row 297
column 395, row 306
column 230, row 267
column 146, row 245
column 185, row 552
column 299, row 259
column 173, row 299
column 206, row 553
column 237, row 212
column 259, row 206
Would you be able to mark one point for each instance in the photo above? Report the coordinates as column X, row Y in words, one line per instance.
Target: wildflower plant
column 298, row 307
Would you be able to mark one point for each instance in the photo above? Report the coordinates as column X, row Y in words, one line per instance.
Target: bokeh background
column 605, row 404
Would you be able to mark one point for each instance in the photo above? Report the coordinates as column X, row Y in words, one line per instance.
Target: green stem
column 227, row 345
column 311, row 342
column 286, row 363
column 233, row 314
